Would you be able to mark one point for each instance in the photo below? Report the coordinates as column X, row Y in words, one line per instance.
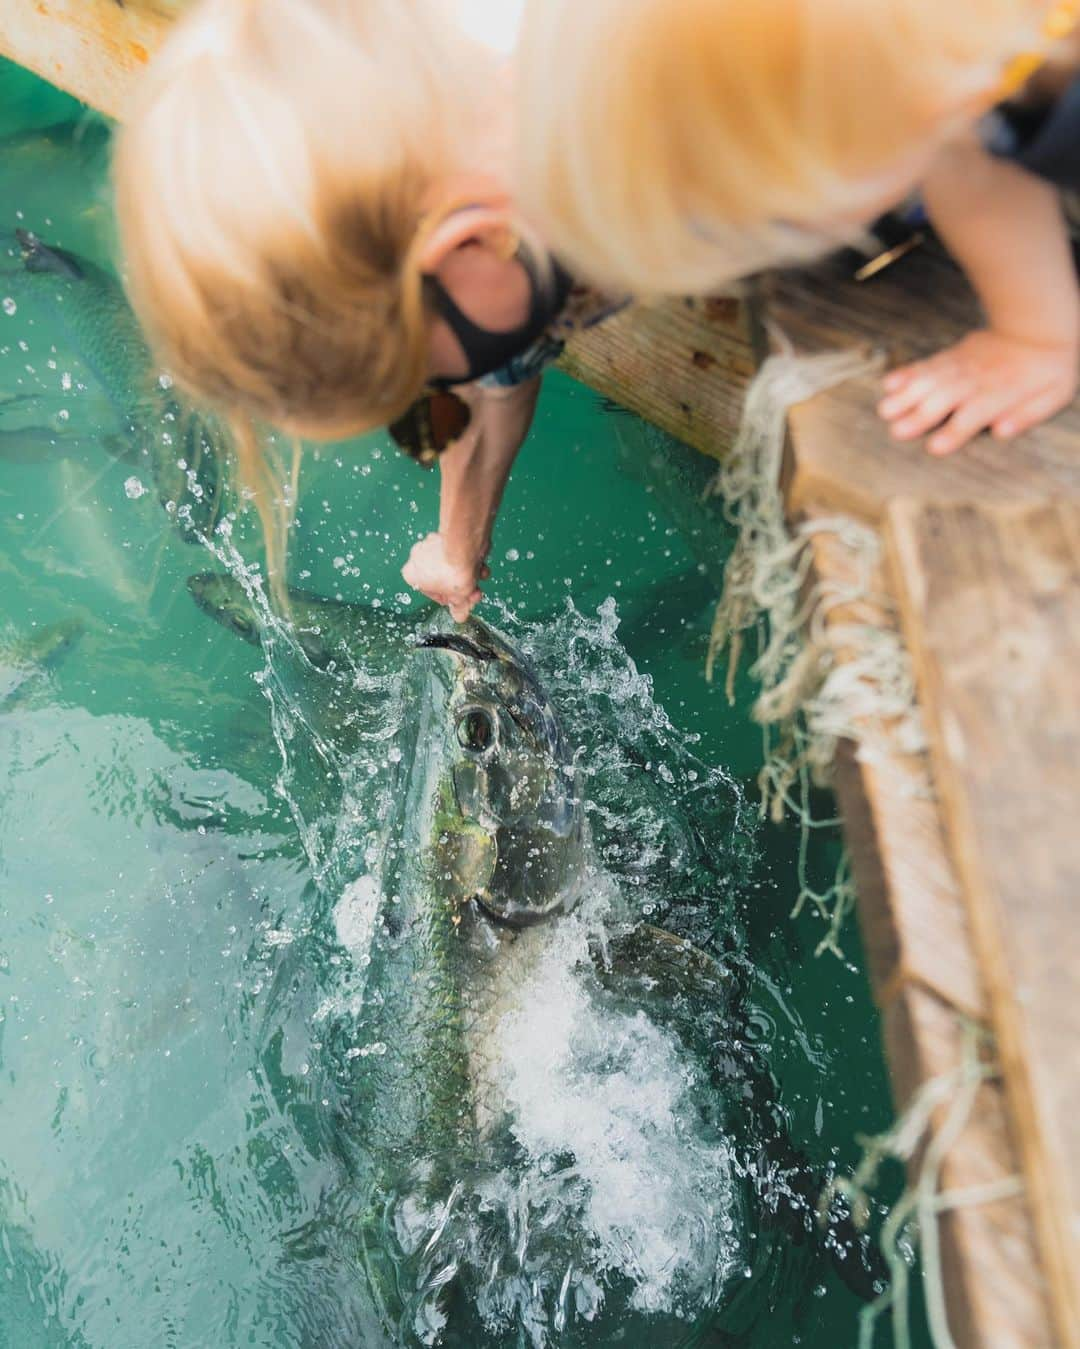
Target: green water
column 175, row 1153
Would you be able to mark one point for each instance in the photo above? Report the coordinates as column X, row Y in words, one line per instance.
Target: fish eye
column 475, row 730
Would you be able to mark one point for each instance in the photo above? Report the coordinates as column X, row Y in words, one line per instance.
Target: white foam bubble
column 355, row 914
column 614, row 1091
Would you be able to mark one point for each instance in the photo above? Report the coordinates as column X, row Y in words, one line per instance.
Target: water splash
column 604, row 1181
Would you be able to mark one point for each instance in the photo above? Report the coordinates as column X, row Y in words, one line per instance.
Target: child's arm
column 447, row 566
column 1006, row 229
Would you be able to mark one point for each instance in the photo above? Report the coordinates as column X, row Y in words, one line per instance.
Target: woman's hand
column 451, row 583
column 473, row 471
column 1007, row 231
column 986, row 382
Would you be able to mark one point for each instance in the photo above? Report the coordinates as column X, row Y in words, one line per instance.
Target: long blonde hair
column 274, row 189
column 692, row 141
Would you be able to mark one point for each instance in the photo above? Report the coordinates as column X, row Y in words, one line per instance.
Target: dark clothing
column 1045, row 141
column 487, row 351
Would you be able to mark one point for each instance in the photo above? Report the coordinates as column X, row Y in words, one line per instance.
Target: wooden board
column 90, row 48
column 911, row 912
column 990, row 597
column 843, row 457
column 995, row 1294
column 925, row 977
column 683, row 365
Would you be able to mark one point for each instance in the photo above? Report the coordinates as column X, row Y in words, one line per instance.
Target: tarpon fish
column 482, row 854
column 148, row 423
column 23, row 663
column 330, row 633
column 487, row 845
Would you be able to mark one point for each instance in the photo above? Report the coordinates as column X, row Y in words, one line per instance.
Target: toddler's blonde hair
column 274, row 188
column 686, row 142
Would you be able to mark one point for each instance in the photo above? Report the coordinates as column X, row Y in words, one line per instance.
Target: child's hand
column 986, row 381
column 431, row 572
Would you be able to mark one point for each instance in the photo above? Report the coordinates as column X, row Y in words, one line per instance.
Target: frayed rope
column 810, row 698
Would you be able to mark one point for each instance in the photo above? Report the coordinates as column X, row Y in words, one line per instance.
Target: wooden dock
column 967, row 857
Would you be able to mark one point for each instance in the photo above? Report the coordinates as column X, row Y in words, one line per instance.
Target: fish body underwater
column 473, row 900
column 484, row 852
column 486, row 839
column 148, row 423
column 330, row 633
column 24, row 662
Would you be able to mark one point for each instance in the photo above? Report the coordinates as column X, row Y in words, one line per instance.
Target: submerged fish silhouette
column 147, row 423
column 25, row 661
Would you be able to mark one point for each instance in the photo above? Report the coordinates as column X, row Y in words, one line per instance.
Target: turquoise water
column 181, row 947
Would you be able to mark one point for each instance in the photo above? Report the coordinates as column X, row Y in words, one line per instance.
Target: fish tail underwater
column 366, row 979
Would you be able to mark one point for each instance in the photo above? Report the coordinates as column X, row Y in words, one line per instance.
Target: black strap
column 1045, row 141
column 487, row 349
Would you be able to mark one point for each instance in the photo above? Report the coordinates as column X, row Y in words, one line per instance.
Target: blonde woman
column 318, row 236
column 693, row 141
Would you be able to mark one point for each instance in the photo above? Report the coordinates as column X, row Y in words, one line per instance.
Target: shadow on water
column 193, row 1051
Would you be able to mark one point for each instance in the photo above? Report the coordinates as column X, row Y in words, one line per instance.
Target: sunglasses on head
column 430, row 425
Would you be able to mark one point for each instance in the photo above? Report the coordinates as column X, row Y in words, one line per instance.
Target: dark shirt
column 1044, row 140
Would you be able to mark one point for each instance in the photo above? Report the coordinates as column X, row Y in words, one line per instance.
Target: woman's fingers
column 915, row 388
column 988, row 380
column 967, row 421
column 1031, row 412
column 930, row 411
column 460, row 609
column 895, row 380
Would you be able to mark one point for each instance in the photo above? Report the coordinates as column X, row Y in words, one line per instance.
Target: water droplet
column 9, row 306
column 165, row 381
column 134, row 488
column 512, row 555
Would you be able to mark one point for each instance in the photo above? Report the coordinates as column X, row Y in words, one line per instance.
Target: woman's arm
column 1006, row 229
column 447, row 566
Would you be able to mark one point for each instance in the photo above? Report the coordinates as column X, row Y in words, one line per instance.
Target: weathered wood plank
column 925, row 978
column 990, row 597
column 682, row 364
column 90, row 48
column 843, row 457
column 995, row 1294
column 911, row 912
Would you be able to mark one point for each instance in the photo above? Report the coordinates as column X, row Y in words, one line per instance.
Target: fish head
column 41, row 257
column 225, row 600
column 509, row 821
column 59, row 639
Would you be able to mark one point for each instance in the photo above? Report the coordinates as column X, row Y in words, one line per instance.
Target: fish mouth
column 455, row 642
column 517, row 917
